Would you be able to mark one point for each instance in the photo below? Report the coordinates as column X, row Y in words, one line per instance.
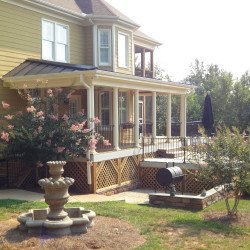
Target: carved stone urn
column 56, row 220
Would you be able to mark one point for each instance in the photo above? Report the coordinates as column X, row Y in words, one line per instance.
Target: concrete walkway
column 138, row 196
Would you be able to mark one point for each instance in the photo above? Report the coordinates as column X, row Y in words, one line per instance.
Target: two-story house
column 102, row 53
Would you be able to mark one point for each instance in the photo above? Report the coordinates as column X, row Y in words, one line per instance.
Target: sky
column 212, row 31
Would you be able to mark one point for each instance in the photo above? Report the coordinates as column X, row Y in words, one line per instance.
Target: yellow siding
column 88, row 52
column 118, row 69
column 20, row 37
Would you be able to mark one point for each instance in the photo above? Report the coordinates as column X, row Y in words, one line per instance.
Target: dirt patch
column 242, row 219
column 107, row 233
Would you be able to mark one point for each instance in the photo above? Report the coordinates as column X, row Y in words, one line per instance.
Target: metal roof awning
column 39, row 67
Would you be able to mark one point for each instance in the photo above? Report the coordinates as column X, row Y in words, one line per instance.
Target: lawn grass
column 165, row 228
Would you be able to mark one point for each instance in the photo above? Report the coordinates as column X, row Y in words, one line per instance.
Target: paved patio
column 138, row 196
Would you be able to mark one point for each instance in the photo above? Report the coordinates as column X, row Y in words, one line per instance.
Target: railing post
column 143, row 148
column 184, row 143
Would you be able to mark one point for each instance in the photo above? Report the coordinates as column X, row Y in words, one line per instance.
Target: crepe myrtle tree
column 43, row 131
column 225, row 163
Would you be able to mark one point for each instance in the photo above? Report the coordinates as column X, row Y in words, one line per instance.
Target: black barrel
column 167, row 176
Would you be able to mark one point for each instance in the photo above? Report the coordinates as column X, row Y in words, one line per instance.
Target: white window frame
column 77, row 100
column 108, row 63
column 55, row 42
column 121, row 109
column 101, row 108
column 125, row 62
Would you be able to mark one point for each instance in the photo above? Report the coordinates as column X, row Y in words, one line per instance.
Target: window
column 123, row 107
column 105, row 108
column 104, row 37
column 55, row 41
column 74, row 105
column 122, row 50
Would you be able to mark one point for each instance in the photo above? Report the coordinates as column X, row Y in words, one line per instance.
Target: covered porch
column 125, row 104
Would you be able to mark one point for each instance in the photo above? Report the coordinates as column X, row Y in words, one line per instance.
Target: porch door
column 141, row 112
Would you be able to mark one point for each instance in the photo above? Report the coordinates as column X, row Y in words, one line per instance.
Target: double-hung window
column 105, row 108
column 123, row 107
column 55, row 41
column 104, row 38
column 123, row 50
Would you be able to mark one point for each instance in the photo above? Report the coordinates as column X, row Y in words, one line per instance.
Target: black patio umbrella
column 208, row 116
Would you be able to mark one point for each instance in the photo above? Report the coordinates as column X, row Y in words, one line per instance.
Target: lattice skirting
column 117, row 172
column 188, row 185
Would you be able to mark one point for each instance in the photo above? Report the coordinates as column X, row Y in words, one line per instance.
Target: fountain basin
column 36, row 222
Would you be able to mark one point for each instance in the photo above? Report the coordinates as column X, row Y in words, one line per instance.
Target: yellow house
column 109, row 61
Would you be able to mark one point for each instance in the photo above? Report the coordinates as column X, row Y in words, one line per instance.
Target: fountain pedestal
column 56, row 220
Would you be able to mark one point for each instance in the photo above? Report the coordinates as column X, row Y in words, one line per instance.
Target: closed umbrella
column 208, row 116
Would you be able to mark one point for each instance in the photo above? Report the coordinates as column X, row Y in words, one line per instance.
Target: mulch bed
column 107, row 233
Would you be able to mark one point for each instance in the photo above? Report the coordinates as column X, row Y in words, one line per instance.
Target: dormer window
column 123, row 50
column 104, row 38
column 55, row 40
column 143, row 62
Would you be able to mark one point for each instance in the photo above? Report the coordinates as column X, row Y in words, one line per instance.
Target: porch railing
column 107, row 132
column 126, row 135
column 184, row 149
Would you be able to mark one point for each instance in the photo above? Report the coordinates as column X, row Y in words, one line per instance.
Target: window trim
column 108, row 108
column 54, row 55
column 126, row 108
column 126, row 66
column 77, row 99
column 108, row 63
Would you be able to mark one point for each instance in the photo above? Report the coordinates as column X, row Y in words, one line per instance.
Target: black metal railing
column 107, row 132
column 185, row 149
column 192, row 128
column 145, row 129
column 126, row 135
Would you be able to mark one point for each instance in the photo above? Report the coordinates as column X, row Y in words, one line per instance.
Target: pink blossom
column 39, row 164
column 9, row 117
column 69, row 94
column 5, row 136
column 74, row 127
column 10, row 127
column 81, row 125
column 60, row 149
column 54, row 117
column 41, row 118
column 50, row 95
column 49, row 91
column 31, row 109
column 39, row 128
column 30, row 99
column 79, row 140
column 106, row 143
column 35, row 133
column 86, row 130
column 39, row 113
column 96, row 120
column 5, row 105
column 65, row 117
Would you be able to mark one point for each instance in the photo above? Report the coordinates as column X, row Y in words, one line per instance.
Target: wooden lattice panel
column 130, row 169
column 192, row 185
column 148, row 180
column 107, row 174
column 77, row 171
column 150, row 155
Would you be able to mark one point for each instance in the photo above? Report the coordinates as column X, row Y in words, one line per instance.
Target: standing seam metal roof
column 37, row 67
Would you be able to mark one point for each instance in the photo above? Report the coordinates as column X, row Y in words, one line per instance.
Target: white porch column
column 136, row 119
column 183, row 116
column 116, row 118
column 91, row 112
column 154, row 114
column 168, row 115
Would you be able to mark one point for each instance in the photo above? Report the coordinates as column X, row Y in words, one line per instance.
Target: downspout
column 88, row 155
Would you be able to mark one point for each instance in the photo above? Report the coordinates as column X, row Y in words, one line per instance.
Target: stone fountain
column 56, row 220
